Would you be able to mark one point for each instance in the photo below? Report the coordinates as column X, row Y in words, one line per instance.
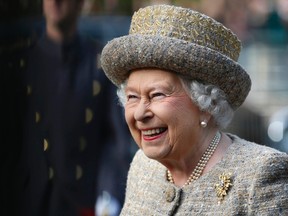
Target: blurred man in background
column 71, row 125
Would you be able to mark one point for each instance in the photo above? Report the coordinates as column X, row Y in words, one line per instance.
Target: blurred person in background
column 180, row 83
column 232, row 13
column 73, row 129
column 282, row 10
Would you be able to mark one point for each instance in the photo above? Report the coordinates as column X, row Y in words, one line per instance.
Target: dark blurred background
column 262, row 26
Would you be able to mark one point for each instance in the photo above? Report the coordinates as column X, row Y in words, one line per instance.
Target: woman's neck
column 181, row 171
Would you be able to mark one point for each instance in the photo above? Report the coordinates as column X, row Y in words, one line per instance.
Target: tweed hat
column 183, row 41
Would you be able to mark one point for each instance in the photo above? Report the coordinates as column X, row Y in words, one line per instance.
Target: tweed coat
column 259, row 177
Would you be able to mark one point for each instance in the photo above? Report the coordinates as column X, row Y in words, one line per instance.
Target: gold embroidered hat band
column 183, row 41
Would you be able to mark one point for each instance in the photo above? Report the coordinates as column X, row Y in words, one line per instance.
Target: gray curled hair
column 209, row 98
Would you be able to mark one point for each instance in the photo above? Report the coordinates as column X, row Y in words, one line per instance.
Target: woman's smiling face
column 161, row 117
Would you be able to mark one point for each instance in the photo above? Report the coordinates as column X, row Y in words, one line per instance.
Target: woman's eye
column 157, row 95
column 131, row 97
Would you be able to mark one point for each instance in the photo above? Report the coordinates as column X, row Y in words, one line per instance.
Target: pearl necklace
column 202, row 162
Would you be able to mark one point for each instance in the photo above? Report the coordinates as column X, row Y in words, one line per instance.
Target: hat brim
column 127, row 53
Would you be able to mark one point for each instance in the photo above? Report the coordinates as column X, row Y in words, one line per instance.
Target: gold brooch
column 223, row 187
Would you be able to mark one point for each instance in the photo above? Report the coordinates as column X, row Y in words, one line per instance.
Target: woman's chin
column 155, row 153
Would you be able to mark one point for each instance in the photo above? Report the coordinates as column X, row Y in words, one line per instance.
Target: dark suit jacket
column 71, row 118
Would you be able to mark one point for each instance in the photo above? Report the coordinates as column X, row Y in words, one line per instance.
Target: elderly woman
column 179, row 82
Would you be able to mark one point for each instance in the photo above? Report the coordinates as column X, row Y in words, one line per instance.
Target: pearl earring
column 203, row 124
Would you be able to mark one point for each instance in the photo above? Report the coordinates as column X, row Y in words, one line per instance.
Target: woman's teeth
column 153, row 132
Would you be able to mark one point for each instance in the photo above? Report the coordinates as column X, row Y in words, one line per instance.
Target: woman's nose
column 142, row 111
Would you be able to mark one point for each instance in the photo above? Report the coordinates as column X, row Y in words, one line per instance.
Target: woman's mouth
column 153, row 132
